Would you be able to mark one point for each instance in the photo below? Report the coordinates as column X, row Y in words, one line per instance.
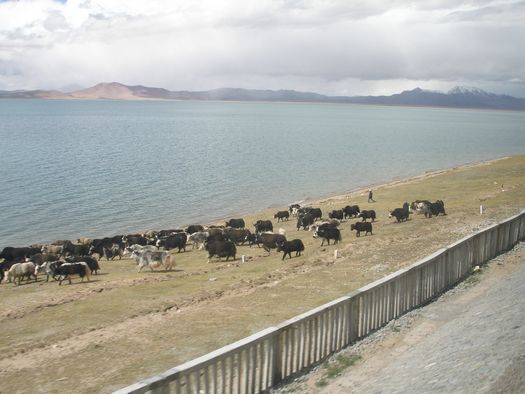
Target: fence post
column 277, row 358
column 353, row 317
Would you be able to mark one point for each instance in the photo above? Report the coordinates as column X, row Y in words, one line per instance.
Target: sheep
column 20, row 270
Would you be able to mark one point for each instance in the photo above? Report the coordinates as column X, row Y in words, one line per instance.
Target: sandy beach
column 72, row 335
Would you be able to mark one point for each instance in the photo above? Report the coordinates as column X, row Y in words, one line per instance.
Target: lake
column 98, row 168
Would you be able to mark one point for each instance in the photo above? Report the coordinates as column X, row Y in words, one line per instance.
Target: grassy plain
column 124, row 326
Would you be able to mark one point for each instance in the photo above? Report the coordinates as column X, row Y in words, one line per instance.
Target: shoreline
column 363, row 190
column 353, row 193
column 313, row 200
column 425, row 175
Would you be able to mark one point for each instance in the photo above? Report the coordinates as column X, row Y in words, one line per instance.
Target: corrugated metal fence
column 256, row 363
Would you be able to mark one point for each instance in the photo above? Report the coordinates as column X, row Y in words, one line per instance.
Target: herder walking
column 370, row 199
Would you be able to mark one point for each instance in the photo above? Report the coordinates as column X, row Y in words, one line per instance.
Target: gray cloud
column 507, row 12
column 336, row 47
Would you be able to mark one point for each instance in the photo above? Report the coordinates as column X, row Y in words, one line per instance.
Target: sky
column 339, row 47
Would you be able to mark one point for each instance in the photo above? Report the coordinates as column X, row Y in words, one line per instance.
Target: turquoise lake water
column 98, row 168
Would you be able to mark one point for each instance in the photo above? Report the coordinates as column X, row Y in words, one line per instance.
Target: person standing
column 370, row 199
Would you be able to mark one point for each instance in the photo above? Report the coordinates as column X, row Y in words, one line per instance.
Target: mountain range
column 459, row 97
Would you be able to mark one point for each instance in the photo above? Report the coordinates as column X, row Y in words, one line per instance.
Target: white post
column 242, row 258
column 335, row 254
column 481, row 209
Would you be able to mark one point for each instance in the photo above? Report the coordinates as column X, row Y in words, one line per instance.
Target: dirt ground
column 124, row 326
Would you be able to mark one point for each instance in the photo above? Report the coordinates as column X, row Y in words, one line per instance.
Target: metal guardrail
column 258, row 362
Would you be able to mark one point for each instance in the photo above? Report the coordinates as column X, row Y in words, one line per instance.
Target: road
column 471, row 340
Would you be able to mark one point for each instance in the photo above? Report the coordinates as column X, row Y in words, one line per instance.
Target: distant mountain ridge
column 459, row 97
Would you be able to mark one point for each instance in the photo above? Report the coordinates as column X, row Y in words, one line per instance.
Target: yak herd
column 63, row 258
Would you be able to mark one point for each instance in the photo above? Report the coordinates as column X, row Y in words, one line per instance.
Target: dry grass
column 124, row 326
column 335, row 366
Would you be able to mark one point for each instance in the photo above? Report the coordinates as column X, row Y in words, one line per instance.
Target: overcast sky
column 339, row 47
